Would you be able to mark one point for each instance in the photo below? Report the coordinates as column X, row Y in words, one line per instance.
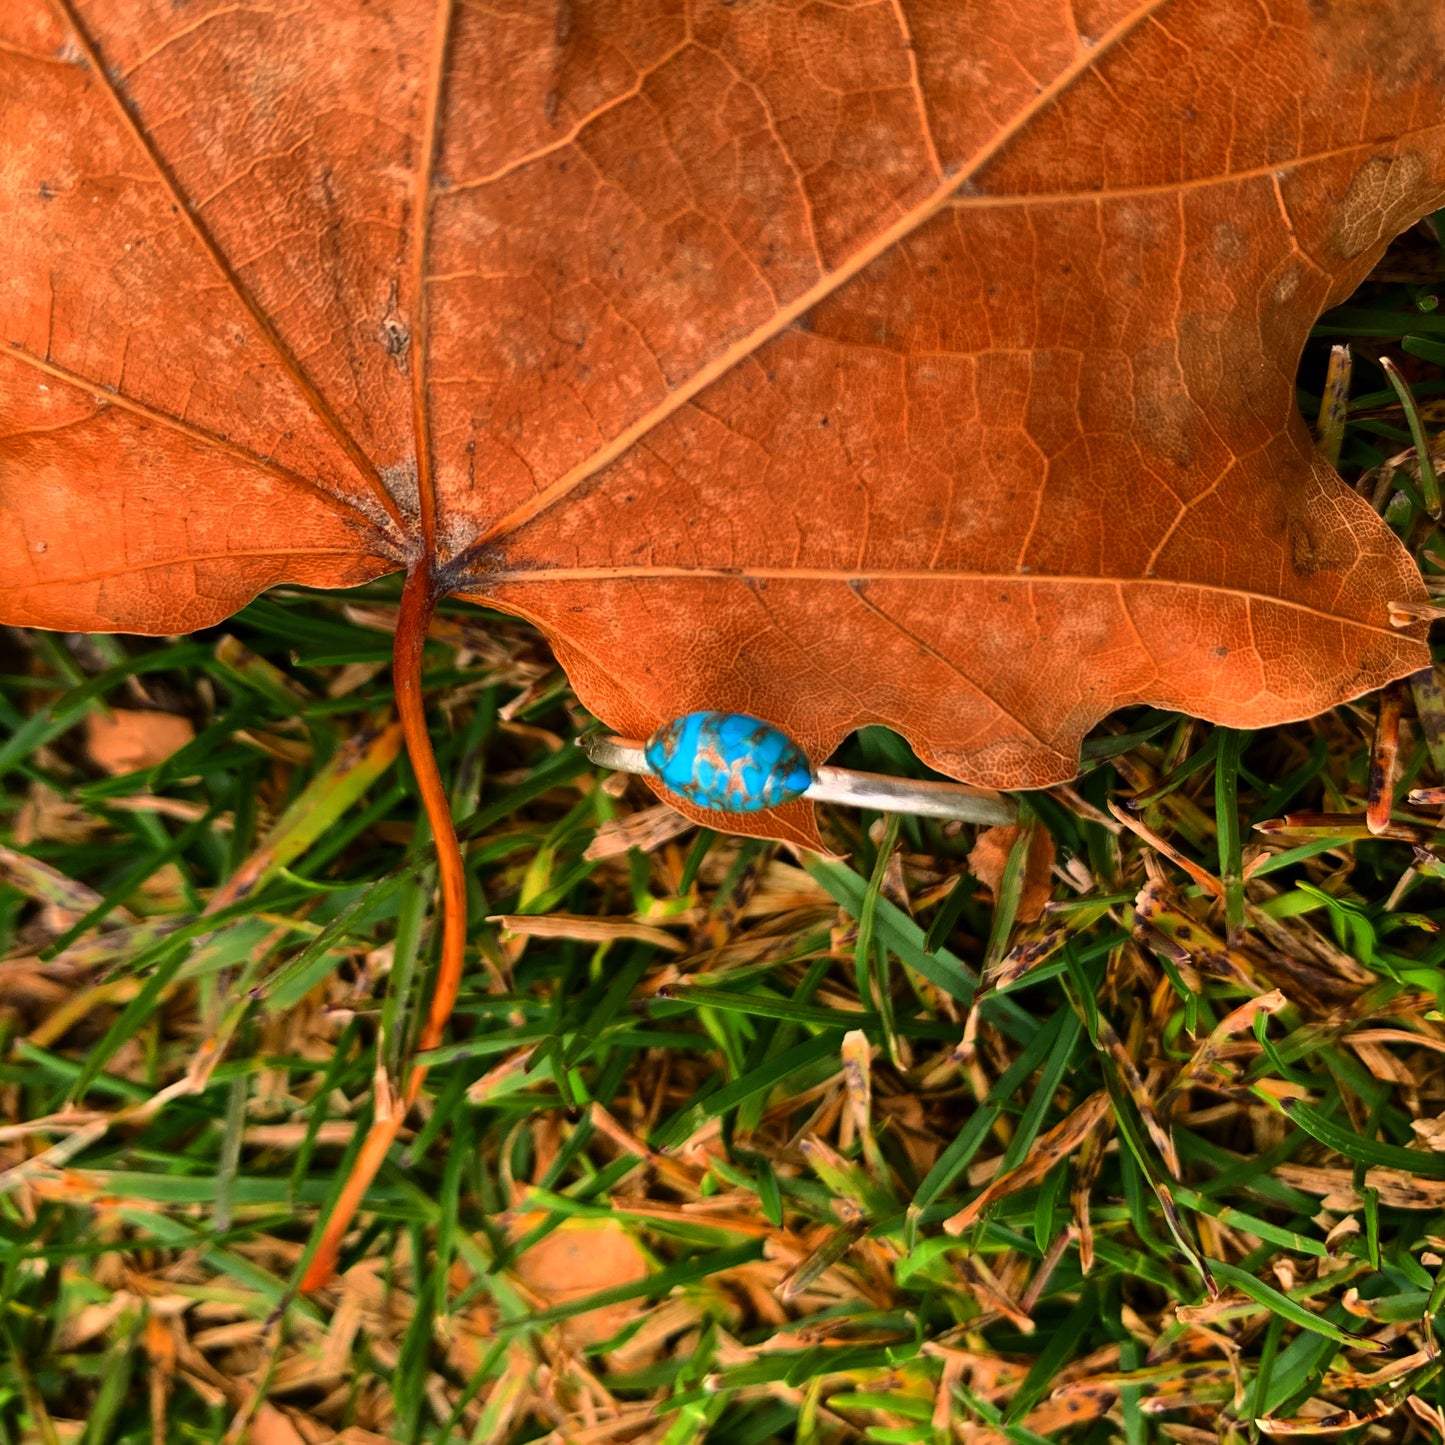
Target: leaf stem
column 418, row 602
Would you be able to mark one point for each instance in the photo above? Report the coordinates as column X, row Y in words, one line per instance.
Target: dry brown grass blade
column 585, row 930
column 1202, row 876
column 1139, row 1093
column 1207, row 1054
column 1024, row 957
column 1086, row 1170
column 1161, row 920
column 1056, row 1144
column 1396, row 1189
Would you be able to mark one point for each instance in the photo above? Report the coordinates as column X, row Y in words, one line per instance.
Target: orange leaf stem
column 418, row 601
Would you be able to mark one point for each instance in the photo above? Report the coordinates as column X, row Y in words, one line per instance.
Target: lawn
column 725, row 1140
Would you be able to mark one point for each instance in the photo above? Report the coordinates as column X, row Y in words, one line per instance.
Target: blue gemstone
column 729, row 761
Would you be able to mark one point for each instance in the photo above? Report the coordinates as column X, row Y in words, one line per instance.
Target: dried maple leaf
column 927, row 364
column 921, row 362
column 577, row 1259
column 125, row 740
column 989, row 857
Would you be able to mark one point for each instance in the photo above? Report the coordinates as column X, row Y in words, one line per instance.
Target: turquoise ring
column 735, row 763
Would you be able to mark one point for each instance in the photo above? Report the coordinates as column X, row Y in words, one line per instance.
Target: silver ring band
column 923, row 797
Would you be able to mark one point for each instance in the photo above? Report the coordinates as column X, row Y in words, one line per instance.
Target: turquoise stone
column 729, row 761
